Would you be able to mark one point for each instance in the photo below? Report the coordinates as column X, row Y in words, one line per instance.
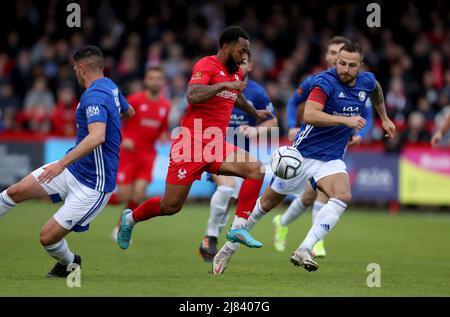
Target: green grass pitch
column 411, row 248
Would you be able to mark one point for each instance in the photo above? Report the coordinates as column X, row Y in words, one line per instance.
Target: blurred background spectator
column 409, row 54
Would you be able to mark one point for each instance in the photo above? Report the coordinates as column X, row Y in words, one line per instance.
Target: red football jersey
column 150, row 120
column 216, row 111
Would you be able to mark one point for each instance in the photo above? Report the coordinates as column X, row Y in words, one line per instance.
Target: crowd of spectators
column 409, row 54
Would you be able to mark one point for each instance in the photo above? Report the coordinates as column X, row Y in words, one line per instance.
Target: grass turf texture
column 411, row 248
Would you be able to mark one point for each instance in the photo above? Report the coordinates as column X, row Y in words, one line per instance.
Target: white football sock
column 224, row 220
column 295, row 210
column 6, row 203
column 233, row 246
column 219, row 206
column 61, row 252
column 327, row 217
column 238, row 222
column 315, row 209
column 130, row 220
column 255, row 216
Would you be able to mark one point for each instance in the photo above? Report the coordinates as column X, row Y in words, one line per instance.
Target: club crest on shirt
column 197, row 75
column 280, row 184
column 143, row 107
column 362, row 95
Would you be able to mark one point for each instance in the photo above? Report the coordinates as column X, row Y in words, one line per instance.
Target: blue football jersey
column 299, row 96
column 101, row 102
column 257, row 96
column 328, row 143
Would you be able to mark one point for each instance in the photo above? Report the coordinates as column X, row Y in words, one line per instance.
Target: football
column 286, row 162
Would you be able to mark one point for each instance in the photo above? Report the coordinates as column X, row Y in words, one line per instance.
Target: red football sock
column 132, row 205
column 148, row 209
column 247, row 197
column 114, row 200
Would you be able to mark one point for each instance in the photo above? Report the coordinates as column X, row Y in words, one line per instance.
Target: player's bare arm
column 129, row 113
column 95, row 138
column 201, row 93
column 314, row 115
column 263, row 127
column 437, row 136
column 377, row 100
column 243, row 104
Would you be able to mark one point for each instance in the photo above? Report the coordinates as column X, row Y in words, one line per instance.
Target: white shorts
column 82, row 204
column 311, row 171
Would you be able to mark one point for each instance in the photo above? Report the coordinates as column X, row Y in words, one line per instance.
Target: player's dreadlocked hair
column 90, row 52
column 232, row 34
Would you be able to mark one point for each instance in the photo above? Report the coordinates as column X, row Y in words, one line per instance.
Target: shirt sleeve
column 201, row 74
column 96, row 113
column 324, row 84
column 318, row 95
column 124, row 105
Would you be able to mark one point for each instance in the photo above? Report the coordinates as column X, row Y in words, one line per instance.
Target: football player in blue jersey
column 241, row 123
column 85, row 177
column 294, row 113
column 332, row 112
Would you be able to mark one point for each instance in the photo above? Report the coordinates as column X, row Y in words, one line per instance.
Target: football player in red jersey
column 215, row 87
column 137, row 151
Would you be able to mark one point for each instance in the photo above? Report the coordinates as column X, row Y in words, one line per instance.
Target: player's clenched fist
column 356, row 122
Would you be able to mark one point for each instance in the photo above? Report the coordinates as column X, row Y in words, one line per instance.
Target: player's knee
column 14, row 192
column 345, row 197
column 307, row 200
column 45, row 238
column 169, row 209
column 256, row 171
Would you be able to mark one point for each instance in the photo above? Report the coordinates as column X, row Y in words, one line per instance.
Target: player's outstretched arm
column 315, row 116
column 95, row 138
column 198, row 93
column 243, row 104
column 377, row 100
column 262, row 128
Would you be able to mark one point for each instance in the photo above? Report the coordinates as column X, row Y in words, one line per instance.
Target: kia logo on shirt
column 350, row 109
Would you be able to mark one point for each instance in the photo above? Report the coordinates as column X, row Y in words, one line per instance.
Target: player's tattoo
column 377, row 100
column 243, row 104
column 202, row 93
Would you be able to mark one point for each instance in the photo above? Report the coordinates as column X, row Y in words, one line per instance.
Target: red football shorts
column 134, row 166
column 185, row 167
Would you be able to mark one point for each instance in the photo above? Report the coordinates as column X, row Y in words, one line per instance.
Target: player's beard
column 346, row 78
column 231, row 65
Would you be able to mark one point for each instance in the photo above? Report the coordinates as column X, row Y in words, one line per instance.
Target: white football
column 286, row 162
